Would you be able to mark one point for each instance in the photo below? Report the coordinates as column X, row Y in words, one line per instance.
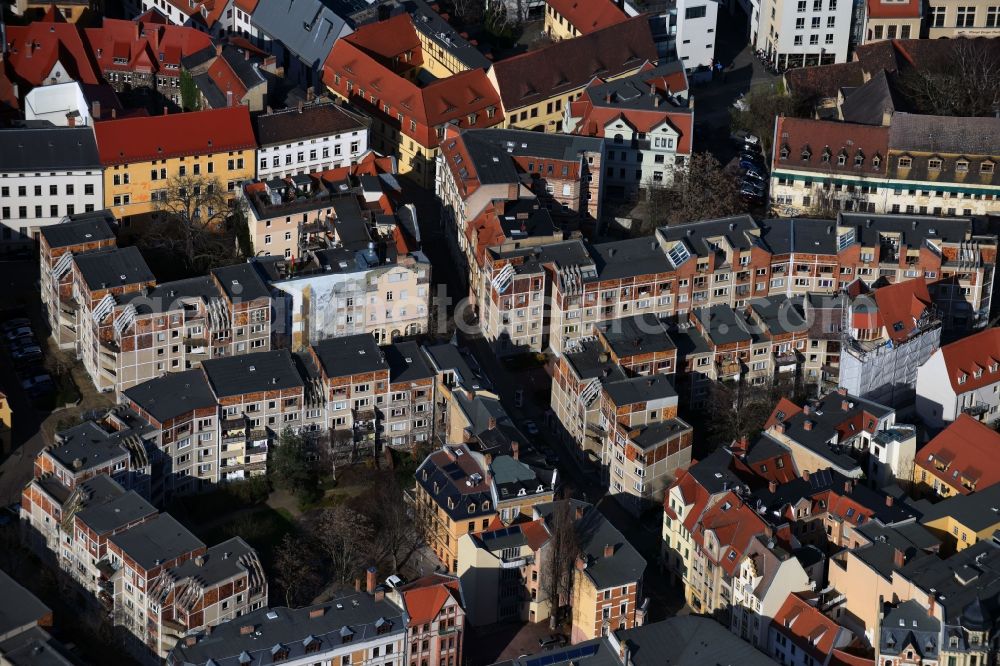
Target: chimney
column 300, row 106
column 514, row 450
column 379, row 594
column 609, row 550
column 930, row 605
column 357, row 584
column 848, row 486
column 114, row 113
column 607, row 97
column 656, row 102
column 581, row 563
column 779, row 428
column 807, row 410
column 579, row 513
column 199, row 561
column 71, row 121
column 246, row 630
column 491, row 423
column 772, row 487
column 165, row 110
column 845, row 405
column 190, row 640
column 310, row 95
column 218, row 49
column 370, row 580
column 805, row 474
column 321, row 611
column 888, row 500
column 842, row 391
column 488, row 459
column 808, row 425
column 95, row 109
column 137, row 31
column 897, row 558
column 27, row 49
column 229, row 98
column 246, row 55
column 512, row 191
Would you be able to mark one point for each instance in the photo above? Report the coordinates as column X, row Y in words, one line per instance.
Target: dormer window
column 859, row 159
column 986, row 167
column 841, row 159
column 934, row 164
column 962, row 166
column 806, row 154
column 486, row 506
column 826, row 155
column 993, row 367
column 876, row 161
column 978, row 373
column 905, row 162
column 784, row 152
column 472, row 118
column 962, row 378
column 472, row 508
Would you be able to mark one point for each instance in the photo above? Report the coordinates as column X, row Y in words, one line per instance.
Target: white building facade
column 803, row 32
column 45, row 175
column 287, row 150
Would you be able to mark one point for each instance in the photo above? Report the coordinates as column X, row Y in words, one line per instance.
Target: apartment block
column 647, row 122
column 217, row 144
column 535, row 87
column 891, row 332
column 103, row 302
column 959, row 379
column 436, row 617
column 802, row 634
column 889, row 167
column 413, row 84
column 141, row 567
column 959, row 460
column 797, row 33
column 891, row 20
column 307, row 139
column 46, row 175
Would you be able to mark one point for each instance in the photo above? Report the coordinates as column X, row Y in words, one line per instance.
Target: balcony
column 517, row 562
column 729, row 368
column 976, row 411
column 786, row 361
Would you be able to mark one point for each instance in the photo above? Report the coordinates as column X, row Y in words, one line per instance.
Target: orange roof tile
column 36, row 48
column 878, row 9
column 782, row 411
column 968, row 450
column 818, row 136
column 901, row 305
column 589, row 15
column 160, row 137
column 807, row 627
column 145, row 44
column 972, row 355
column 734, row 524
column 425, row 597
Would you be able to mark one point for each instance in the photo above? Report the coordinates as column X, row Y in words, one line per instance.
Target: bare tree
column 345, row 537
column 761, row 106
column 737, row 410
column 295, row 571
column 398, row 531
column 559, row 559
column 192, row 215
column 967, row 83
column 700, row 191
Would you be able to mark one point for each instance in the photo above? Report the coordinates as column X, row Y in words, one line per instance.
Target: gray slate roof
column 53, row 148
column 350, row 355
column 358, row 612
column 689, row 641
column 307, row 28
column 20, row 607
column 945, row 134
column 241, row 282
column 117, row 512
column 407, row 362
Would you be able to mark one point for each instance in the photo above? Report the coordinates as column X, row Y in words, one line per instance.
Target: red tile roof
column 784, row 410
column 161, row 137
column 37, row 47
column 146, row 45
column 878, row 9
column 824, row 81
column 735, row 526
column 834, row 138
column 247, row 6
column 456, row 99
column 425, row 597
column 589, row 15
column 807, row 627
column 595, row 119
column 573, row 63
column 901, row 305
column 968, row 450
column 972, row 355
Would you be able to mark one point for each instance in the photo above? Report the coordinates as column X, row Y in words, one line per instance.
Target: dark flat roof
column 252, row 373
column 20, row 607
column 173, row 394
column 80, row 228
column 158, row 540
column 49, row 149
column 350, row 355
column 113, row 268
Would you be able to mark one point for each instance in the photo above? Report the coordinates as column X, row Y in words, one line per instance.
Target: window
column 815, row 22
column 934, row 164
column 966, row 17
column 993, row 17
column 937, row 17
column 694, row 12
column 905, row 162
column 800, row 23
column 986, row 167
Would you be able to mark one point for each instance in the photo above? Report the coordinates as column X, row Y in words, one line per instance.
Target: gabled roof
column 45, row 149
column 144, row 45
column 425, row 597
column 572, row 63
column 901, row 306
column 589, row 15
column 174, row 135
column 968, row 450
column 308, row 28
column 734, row 526
column 37, row 47
column 973, row 361
column 879, row 9
column 808, row 628
column 817, row 145
column 312, row 121
column 944, row 134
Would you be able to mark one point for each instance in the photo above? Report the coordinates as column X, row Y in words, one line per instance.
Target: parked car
column 747, row 164
column 19, row 322
column 27, row 354
column 751, row 195
column 755, row 176
column 519, row 398
column 19, row 332
column 742, row 136
column 553, row 640
column 530, row 428
column 37, row 383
